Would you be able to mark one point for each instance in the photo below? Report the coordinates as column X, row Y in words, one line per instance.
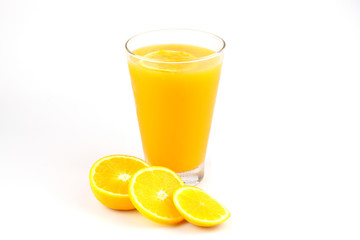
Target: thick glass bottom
column 193, row 177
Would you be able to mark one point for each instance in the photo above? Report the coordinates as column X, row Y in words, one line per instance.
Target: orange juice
column 175, row 88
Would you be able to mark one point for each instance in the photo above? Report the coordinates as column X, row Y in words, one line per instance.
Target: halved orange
column 109, row 179
column 168, row 60
column 198, row 208
column 151, row 190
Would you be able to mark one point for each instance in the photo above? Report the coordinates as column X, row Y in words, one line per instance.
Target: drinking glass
column 175, row 98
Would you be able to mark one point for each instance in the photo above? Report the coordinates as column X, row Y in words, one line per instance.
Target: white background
column 284, row 150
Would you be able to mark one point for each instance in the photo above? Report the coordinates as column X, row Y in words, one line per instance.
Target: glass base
column 193, row 177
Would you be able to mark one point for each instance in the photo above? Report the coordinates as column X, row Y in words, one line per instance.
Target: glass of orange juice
column 175, row 75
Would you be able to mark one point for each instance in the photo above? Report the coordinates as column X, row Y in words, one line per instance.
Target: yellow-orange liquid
column 174, row 103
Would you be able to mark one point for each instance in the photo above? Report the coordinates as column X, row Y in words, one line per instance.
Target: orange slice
column 109, row 179
column 198, row 208
column 151, row 190
column 168, row 60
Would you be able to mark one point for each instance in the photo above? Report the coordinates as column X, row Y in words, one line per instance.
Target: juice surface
column 174, row 102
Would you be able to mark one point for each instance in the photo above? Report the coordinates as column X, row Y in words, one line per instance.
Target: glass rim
column 215, row 54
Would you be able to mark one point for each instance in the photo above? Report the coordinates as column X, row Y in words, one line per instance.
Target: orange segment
column 109, row 179
column 168, row 60
column 198, row 208
column 151, row 190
